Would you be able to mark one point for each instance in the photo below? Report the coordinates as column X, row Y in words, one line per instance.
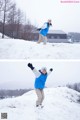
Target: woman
column 39, row 84
column 44, row 31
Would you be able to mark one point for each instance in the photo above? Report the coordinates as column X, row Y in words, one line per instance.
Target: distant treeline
column 75, row 37
column 75, row 86
column 12, row 93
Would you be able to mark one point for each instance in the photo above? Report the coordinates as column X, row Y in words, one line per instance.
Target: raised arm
column 36, row 72
column 44, row 26
column 50, row 71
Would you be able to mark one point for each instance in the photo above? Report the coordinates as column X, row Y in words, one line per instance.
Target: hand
column 38, row 29
column 50, row 24
column 51, row 69
column 31, row 66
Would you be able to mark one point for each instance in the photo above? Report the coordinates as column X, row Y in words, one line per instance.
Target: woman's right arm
column 36, row 72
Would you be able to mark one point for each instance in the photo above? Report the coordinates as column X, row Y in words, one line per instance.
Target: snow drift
column 6, row 37
column 20, row 49
column 59, row 104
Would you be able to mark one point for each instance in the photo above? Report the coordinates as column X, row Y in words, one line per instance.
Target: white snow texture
column 20, row 49
column 59, row 104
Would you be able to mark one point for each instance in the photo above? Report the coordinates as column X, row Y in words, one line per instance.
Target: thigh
column 40, row 37
column 42, row 92
column 38, row 92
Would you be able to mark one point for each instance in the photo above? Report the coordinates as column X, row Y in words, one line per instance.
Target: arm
column 50, row 71
column 38, row 29
column 36, row 72
column 44, row 26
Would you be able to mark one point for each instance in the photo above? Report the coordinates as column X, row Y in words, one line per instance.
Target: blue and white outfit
column 40, row 79
column 43, row 32
column 40, row 85
column 45, row 28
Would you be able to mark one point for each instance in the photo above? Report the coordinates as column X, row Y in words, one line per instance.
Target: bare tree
column 6, row 6
column 1, row 3
column 27, row 30
column 12, row 20
column 19, row 21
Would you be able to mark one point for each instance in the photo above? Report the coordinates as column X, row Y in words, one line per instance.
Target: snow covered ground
column 20, row 49
column 59, row 104
column 6, row 37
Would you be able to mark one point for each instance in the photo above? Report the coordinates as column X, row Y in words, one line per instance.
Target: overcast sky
column 65, row 16
column 16, row 74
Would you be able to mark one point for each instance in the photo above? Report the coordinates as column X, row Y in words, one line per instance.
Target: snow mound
column 6, row 37
column 20, row 49
column 59, row 104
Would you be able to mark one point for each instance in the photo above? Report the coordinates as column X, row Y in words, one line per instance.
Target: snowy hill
column 6, row 37
column 20, row 49
column 59, row 104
